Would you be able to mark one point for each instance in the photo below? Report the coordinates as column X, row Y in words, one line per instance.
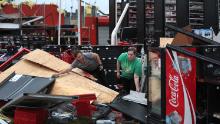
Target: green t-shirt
column 129, row 68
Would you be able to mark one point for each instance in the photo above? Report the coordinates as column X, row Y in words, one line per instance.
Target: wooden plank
column 28, row 68
column 84, row 74
column 73, row 84
column 164, row 41
column 182, row 39
column 45, row 59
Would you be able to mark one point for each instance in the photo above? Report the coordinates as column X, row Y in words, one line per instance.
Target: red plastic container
column 83, row 106
column 30, row 116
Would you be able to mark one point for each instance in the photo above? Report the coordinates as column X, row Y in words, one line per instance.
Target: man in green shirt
column 130, row 67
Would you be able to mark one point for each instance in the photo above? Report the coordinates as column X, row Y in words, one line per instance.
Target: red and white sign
column 180, row 88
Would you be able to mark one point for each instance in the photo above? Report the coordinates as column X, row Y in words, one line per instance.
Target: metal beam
column 111, row 16
column 211, row 14
column 192, row 54
column 140, row 21
column 182, row 13
column 159, row 14
column 203, row 40
column 59, row 23
column 33, row 20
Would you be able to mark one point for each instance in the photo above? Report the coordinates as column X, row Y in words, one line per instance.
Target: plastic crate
column 83, row 106
column 30, row 116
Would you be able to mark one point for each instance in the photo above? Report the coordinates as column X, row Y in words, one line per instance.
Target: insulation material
column 42, row 64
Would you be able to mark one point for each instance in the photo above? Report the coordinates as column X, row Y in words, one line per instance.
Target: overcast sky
column 103, row 5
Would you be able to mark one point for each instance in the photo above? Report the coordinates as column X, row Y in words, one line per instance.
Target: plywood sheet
column 28, row 68
column 74, row 84
column 164, row 41
column 45, row 59
column 84, row 74
column 182, row 39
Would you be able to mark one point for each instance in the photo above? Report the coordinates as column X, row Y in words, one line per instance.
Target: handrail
column 114, row 32
column 4, row 65
column 33, row 20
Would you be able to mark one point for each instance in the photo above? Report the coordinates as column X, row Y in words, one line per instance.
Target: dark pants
column 127, row 83
column 100, row 76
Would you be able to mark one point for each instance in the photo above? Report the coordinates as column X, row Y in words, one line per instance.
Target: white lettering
column 173, row 84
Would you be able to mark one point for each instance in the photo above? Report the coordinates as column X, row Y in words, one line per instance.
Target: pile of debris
column 28, row 84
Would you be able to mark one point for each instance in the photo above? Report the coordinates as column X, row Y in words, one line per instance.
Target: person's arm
column 137, row 75
column 62, row 72
column 137, row 83
column 118, row 65
column 97, row 58
column 118, row 69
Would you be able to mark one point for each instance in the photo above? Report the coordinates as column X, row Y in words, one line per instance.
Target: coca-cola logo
column 173, row 85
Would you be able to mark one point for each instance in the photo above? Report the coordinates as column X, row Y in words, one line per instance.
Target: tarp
column 43, row 64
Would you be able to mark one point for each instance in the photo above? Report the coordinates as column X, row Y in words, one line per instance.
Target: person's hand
column 55, row 75
column 101, row 67
column 118, row 75
column 138, row 89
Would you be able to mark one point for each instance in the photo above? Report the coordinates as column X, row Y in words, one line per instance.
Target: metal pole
column 114, row 32
column 116, row 16
column 59, row 23
column 71, row 12
column 33, row 20
column 79, row 23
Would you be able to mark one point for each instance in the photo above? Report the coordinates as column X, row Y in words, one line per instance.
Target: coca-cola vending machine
column 180, row 88
column 171, row 86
